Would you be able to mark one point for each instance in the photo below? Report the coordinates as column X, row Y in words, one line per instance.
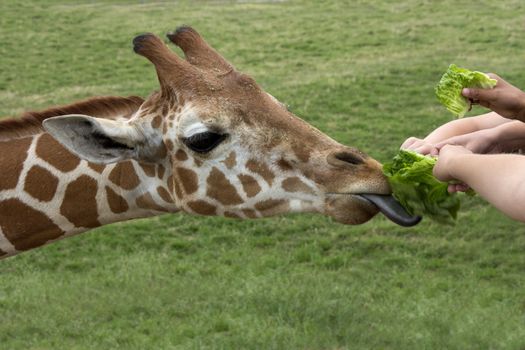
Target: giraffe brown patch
column 165, row 110
column 80, row 204
column 97, row 167
column 170, row 183
column 40, row 183
column 180, row 155
column 231, row 161
column 164, row 194
column 14, row 153
column 295, row 184
column 269, row 204
column 146, row 201
column 116, row 202
column 148, row 168
column 261, row 169
column 197, row 162
column 124, row 175
column 232, row 215
column 26, row 227
column 188, row 179
column 161, row 169
column 55, row 154
column 178, row 190
column 284, row 165
column 161, row 152
column 155, row 123
column 250, row 185
column 202, row 208
column 301, row 152
column 220, row 188
column 170, row 145
column 250, row 213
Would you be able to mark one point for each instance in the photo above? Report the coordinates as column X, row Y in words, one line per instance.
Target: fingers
column 409, row 142
column 480, row 96
column 426, row 149
column 461, row 187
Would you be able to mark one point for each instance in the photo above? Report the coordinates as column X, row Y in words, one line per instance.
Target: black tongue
column 392, row 209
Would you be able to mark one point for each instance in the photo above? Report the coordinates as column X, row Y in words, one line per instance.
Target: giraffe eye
column 204, row 142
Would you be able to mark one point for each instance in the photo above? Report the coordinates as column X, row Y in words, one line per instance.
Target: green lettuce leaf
column 418, row 191
column 448, row 90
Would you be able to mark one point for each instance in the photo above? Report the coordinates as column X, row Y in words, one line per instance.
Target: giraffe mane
column 30, row 123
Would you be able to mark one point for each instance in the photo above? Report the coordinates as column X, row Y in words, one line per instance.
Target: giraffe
column 210, row 141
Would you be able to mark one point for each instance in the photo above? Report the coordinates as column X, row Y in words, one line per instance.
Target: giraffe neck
column 47, row 193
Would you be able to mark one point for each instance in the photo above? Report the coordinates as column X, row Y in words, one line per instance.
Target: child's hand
column 444, row 166
column 504, row 99
column 419, row 146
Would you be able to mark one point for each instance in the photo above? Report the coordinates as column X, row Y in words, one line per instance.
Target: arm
column 465, row 126
column 451, row 129
column 500, row 179
column 507, row 137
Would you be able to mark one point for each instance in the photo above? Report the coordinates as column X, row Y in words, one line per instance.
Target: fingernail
column 465, row 92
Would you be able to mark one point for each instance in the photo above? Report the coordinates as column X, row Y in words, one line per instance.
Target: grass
column 361, row 71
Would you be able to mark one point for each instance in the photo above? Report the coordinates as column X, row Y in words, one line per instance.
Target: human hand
column 419, row 146
column 504, row 99
column 481, row 141
column 444, row 166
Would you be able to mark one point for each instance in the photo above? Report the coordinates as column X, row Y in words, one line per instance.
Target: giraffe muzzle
column 392, row 209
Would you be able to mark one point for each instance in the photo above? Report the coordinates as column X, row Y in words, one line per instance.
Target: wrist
column 521, row 112
column 455, row 166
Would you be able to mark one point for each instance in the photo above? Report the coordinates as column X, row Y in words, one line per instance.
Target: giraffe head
column 232, row 149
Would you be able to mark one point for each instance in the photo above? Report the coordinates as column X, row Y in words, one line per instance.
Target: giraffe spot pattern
column 295, row 184
column 155, row 123
column 180, row 155
column 268, row 206
column 301, row 152
column 160, row 171
column 116, row 202
column 262, row 169
column 284, row 165
column 80, row 205
column 23, row 233
column 249, row 213
column 48, row 149
column 40, row 183
column 13, row 155
column 202, row 207
column 220, row 188
column 97, row 167
column 124, row 175
column 232, row 215
column 250, row 185
column 146, row 201
column 148, row 168
column 164, row 194
column 230, row 161
column 188, row 179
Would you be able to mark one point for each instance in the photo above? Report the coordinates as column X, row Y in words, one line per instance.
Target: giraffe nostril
column 350, row 158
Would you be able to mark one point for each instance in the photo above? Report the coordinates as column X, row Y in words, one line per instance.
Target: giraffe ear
column 98, row 140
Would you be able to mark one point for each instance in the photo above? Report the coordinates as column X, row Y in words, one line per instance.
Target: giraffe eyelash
column 204, row 142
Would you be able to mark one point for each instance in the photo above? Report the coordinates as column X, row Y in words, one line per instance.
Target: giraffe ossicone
column 210, row 141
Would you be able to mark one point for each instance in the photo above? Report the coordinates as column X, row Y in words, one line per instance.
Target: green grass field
column 362, row 72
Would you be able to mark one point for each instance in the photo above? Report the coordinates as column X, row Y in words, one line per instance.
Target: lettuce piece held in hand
column 414, row 186
column 448, row 90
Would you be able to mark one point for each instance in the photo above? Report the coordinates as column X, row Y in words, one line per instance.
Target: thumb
column 481, row 95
